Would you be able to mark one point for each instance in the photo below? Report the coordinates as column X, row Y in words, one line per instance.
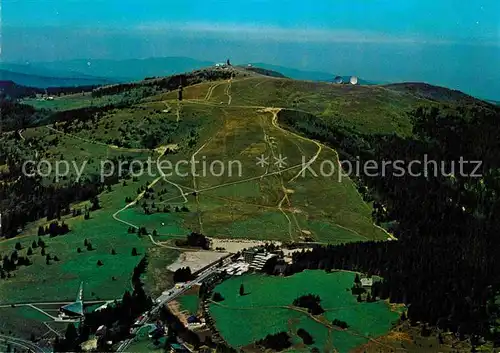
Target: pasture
column 60, row 279
column 267, row 308
column 189, row 303
column 368, row 109
column 238, row 198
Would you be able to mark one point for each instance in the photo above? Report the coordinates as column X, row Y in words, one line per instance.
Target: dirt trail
column 210, row 91
column 270, row 141
column 321, row 146
column 274, row 121
column 160, row 150
column 228, row 90
column 200, row 221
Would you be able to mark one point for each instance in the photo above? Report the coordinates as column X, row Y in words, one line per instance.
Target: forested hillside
column 445, row 265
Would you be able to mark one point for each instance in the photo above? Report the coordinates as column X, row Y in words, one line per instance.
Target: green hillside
column 221, row 122
column 370, row 109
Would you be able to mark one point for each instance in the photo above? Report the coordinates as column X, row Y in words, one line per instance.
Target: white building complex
column 260, row 260
column 237, row 268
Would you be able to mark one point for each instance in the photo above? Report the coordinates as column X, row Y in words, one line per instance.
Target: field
column 235, row 197
column 189, row 303
column 84, row 99
column 266, row 308
column 72, row 101
column 60, row 279
column 368, row 109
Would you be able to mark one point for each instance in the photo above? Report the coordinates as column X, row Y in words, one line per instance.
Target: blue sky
column 451, row 19
column 448, row 42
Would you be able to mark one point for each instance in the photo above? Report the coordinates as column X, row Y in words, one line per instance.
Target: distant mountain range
column 127, row 70
column 71, row 73
column 34, row 76
column 100, row 72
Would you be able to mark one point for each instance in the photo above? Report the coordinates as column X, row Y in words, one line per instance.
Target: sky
column 453, row 43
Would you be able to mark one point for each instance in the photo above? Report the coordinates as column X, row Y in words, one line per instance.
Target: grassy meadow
column 368, row 109
column 190, row 303
column 242, row 320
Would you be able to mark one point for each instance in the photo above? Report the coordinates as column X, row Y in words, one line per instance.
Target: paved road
column 165, row 298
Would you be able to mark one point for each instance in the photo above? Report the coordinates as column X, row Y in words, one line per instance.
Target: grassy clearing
column 71, row 101
column 158, row 277
column 168, row 225
column 60, row 280
column 246, row 195
column 265, row 312
column 22, row 321
column 189, row 303
column 84, row 156
column 370, row 109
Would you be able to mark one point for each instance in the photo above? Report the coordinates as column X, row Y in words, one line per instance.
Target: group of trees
column 183, row 275
column 194, row 239
column 277, row 342
column 70, row 341
column 152, row 208
column 177, row 329
column 311, row 302
column 88, row 245
column 445, row 263
column 90, row 114
column 217, row 297
column 342, row 324
column 11, row 263
column 306, row 336
column 11, row 91
column 17, row 116
column 53, row 229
